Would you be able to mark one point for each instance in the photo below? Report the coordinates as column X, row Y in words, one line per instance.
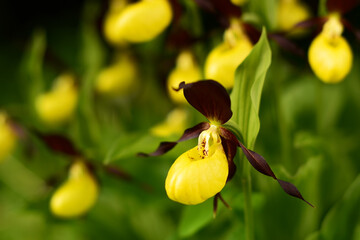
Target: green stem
column 245, row 179
column 283, row 128
column 248, row 211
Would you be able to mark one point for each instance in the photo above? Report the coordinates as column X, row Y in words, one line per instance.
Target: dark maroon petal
column 224, row 8
column 342, row 6
column 290, row 189
column 216, row 198
column 190, row 133
column 252, row 32
column 312, row 22
column 229, row 143
column 258, row 162
column 59, row 144
column 230, row 149
column 118, row 172
column 210, row 98
column 286, row 44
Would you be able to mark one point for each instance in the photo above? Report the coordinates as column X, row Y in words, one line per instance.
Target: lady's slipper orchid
column 199, row 173
column 58, row 105
column 330, row 55
column 7, row 137
column 223, row 60
column 77, row 195
column 137, row 22
column 187, row 70
column 203, row 171
column 174, row 123
column 119, row 78
column 291, row 12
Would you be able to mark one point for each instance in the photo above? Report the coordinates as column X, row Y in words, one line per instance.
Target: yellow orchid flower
column 223, row 60
column 137, row 22
column 199, row 173
column 119, row 78
column 202, row 172
column 186, row 70
column 175, row 123
column 330, row 55
column 77, row 195
column 7, row 137
column 291, row 12
column 58, row 105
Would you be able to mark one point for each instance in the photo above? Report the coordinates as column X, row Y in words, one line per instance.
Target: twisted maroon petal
column 260, row 164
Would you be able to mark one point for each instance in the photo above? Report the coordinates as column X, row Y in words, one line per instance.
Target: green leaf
column 266, row 10
column 194, row 218
column 92, row 58
column 32, row 66
column 246, row 94
column 343, row 218
column 129, row 145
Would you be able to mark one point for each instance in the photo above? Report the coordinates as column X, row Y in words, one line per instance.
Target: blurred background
column 73, row 86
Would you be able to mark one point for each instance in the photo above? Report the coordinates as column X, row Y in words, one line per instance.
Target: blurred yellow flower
column 7, row 137
column 330, row 55
column 199, row 173
column 77, row 195
column 137, row 22
column 186, row 70
column 119, row 78
column 291, row 12
column 58, row 105
column 239, row 2
column 175, row 123
column 223, row 60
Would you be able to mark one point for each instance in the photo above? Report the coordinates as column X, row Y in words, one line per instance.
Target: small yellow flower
column 330, row 55
column 223, row 60
column 175, row 123
column 7, row 137
column 187, row 70
column 137, row 22
column 291, row 12
column 58, row 105
column 77, row 195
column 119, row 78
column 199, row 173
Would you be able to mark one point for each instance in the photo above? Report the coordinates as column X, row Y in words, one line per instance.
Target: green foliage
column 246, row 95
column 194, row 218
column 309, row 131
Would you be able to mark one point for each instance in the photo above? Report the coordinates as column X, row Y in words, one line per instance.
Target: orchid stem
column 245, row 178
column 248, row 211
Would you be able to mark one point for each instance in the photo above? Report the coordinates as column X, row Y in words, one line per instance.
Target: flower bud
column 137, row 22
column 187, row 71
column 77, row 195
column 223, row 60
column 291, row 12
column 175, row 123
column 58, row 105
column 119, row 78
column 330, row 55
column 7, row 137
column 199, row 173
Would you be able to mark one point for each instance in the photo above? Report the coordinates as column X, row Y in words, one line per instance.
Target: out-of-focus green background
column 309, row 133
